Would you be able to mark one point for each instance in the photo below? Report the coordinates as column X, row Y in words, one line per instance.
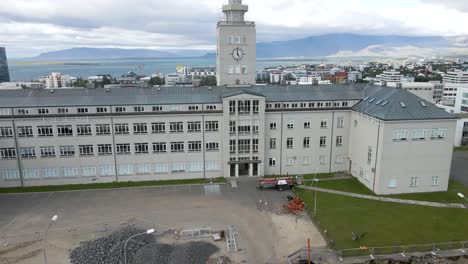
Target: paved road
column 459, row 169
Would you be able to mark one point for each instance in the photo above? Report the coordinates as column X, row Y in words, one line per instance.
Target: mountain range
column 330, row 45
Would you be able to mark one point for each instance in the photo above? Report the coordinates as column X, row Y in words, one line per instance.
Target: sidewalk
column 384, row 199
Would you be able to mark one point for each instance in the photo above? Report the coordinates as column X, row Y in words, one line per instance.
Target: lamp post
column 44, row 236
column 462, row 196
column 150, row 231
column 315, row 197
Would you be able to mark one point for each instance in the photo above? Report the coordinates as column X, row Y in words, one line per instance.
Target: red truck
column 278, row 183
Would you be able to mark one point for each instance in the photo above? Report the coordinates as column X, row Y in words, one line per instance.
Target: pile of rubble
column 144, row 249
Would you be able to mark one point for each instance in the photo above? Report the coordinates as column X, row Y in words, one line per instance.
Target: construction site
column 235, row 222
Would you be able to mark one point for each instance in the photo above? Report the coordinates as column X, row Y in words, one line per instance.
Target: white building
column 461, row 101
column 390, row 77
column 354, row 76
column 57, row 80
column 276, row 77
column 453, row 81
column 424, row 90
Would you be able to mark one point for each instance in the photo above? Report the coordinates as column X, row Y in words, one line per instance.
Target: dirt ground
column 264, row 235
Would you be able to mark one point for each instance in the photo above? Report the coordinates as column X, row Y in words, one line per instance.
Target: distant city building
column 57, row 80
column 453, row 81
column 424, row 90
column 276, row 77
column 4, row 73
column 354, row 76
column 390, row 77
column 461, row 101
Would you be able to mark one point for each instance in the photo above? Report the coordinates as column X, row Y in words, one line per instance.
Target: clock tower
column 236, row 46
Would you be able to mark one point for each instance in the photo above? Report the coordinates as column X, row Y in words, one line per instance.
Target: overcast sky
column 29, row 27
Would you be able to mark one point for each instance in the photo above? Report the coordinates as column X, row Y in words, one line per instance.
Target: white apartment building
column 453, row 81
column 390, row 77
column 389, row 139
column 354, row 76
column 57, row 80
column 424, row 90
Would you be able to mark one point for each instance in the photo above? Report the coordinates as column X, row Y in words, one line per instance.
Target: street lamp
column 44, row 236
column 149, row 231
column 462, row 196
column 315, row 198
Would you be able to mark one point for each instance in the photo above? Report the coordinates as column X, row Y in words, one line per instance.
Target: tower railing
column 227, row 23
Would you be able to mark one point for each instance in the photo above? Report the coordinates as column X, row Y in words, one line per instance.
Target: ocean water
column 33, row 70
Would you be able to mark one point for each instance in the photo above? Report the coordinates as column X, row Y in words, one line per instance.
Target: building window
column 28, row 152
column 140, row 128
column 339, row 141
column 369, row 155
column 107, row 170
column 143, row 169
column 322, row 160
column 243, row 107
column 244, row 145
column 103, row 129
column 157, row 108
column 23, row 111
column 31, row 174
column 121, row 129
column 344, row 104
column 392, row 183
column 244, row 127
column 211, row 126
column 45, row 131
column 6, row 132
column 339, row 159
column 290, row 161
column 400, row 135
column 86, row 150
column 419, row 134
column 10, row 174
column 141, row 148
column 232, row 146
column 290, row 124
column 101, row 109
column 438, row 133
column 50, row 173
column 64, row 130
column 161, row 168
column 120, row 109
column 255, row 107
column 272, row 162
column 25, row 131
column 244, row 69
column 289, row 143
column 159, row 147
column 255, row 145
column 232, row 127
column 8, row 153
column 47, row 152
column 70, row 172
column 62, row 110
column 104, row 149
column 340, row 122
column 177, row 146
column 272, row 143
column 323, row 142
column 232, row 107
column 43, row 111
column 414, row 182
column 83, row 130
column 435, row 180
column 193, row 107
column 211, row 107
column 212, row 146
column 123, row 149
column 67, row 151
column 125, row 170
column 178, row 167
column 306, row 142
column 194, row 146
column 307, row 124
column 323, row 123
column 82, row 110
column 176, row 127
column 158, row 128
column 273, row 125
column 196, row 166
column 139, row 108
column 193, row 127
column 306, row 160
column 212, row 165
column 88, row 171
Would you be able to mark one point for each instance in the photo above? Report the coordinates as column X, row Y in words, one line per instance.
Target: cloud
column 30, row 27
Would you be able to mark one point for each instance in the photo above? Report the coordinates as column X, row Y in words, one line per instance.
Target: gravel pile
column 110, row 249
column 192, row 252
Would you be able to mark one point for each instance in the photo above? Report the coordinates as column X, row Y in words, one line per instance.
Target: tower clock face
column 237, row 54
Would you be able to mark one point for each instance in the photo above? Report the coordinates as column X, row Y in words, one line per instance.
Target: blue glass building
column 4, row 74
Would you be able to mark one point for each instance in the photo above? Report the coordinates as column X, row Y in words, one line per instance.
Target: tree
column 208, row 81
column 80, row 83
column 156, row 81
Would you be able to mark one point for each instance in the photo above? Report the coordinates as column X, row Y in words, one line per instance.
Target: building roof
column 392, row 110
column 391, row 104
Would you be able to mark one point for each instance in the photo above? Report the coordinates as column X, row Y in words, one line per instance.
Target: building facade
column 4, row 72
column 453, row 81
column 74, row 136
column 236, row 47
column 390, row 77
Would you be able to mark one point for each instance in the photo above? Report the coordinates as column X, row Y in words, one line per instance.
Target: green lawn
column 450, row 196
column 465, row 148
column 110, row 185
column 385, row 224
column 345, row 185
